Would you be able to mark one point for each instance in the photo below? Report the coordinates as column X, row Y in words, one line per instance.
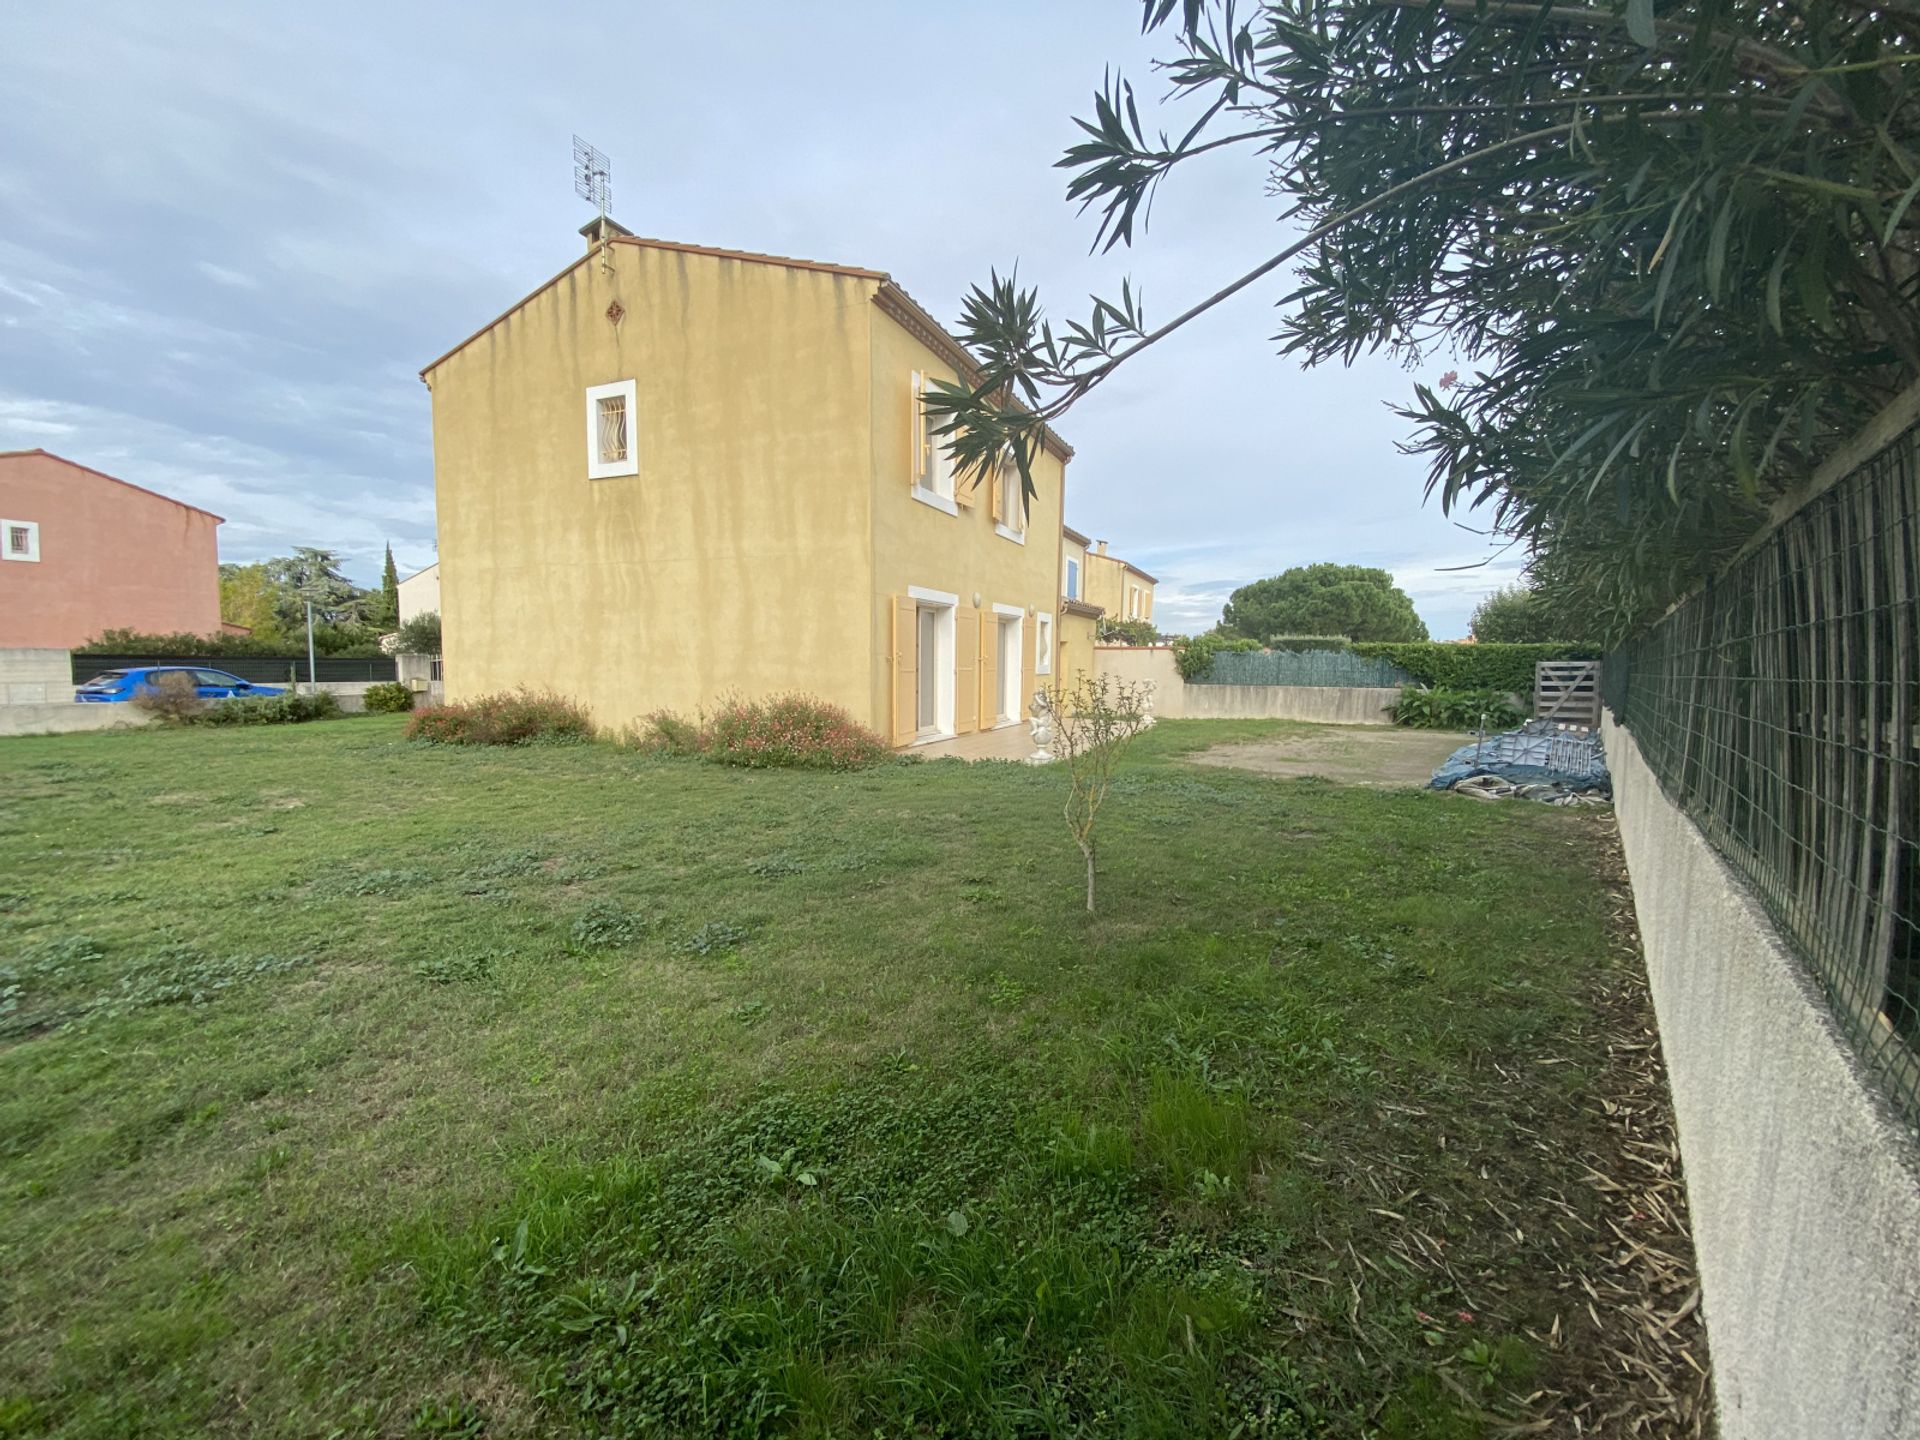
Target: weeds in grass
column 716, row 937
column 603, row 925
column 388, row 882
column 768, row 866
column 1189, row 1130
column 456, row 1418
column 917, row 1261
column 1005, row 992
column 49, row 984
column 458, row 968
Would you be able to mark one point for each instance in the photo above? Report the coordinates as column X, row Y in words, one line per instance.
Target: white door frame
column 1012, row 617
column 945, row 604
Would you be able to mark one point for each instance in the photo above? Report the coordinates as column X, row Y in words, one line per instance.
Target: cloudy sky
column 230, row 236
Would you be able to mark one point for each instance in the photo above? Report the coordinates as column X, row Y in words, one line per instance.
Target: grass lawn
column 351, row 1087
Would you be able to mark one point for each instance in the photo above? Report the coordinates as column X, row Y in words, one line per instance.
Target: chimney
column 1100, row 547
column 600, row 229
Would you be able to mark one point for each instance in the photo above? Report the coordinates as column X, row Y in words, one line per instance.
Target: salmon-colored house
column 82, row 552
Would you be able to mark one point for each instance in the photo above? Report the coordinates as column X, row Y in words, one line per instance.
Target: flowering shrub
column 787, row 731
column 514, row 717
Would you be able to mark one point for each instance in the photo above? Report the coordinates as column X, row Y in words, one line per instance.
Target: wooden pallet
column 1567, row 692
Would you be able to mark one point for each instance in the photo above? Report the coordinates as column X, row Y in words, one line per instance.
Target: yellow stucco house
column 674, row 474
column 1121, row 589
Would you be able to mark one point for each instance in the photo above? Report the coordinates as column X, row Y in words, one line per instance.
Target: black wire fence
column 1778, row 708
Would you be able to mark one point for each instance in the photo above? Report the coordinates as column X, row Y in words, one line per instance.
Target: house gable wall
column 111, row 556
column 735, row 562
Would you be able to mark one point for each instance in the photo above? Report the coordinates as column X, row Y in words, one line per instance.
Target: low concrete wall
column 1805, row 1191
column 35, row 677
column 56, row 719
column 1175, row 699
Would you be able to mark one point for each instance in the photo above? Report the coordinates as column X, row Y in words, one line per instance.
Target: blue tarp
column 1539, row 755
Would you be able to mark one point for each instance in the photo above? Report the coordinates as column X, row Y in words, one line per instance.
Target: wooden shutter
column 966, row 673
column 916, row 428
column 1029, row 649
column 999, row 494
column 989, row 668
column 963, row 488
column 906, row 679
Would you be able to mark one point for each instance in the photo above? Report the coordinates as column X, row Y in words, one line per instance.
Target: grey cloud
column 234, row 234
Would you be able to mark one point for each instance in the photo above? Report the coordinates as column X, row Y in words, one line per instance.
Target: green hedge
column 1308, row 642
column 1472, row 667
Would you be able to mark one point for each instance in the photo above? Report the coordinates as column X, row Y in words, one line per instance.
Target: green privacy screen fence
column 1301, row 667
column 1778, row 708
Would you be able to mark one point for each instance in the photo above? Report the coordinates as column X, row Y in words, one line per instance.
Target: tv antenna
column 593, row 183
column 592, row 176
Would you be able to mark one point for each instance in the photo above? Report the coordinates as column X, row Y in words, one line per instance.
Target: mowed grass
column 350, row 1087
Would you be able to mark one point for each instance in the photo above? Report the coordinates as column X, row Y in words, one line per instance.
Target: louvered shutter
column 1029, row 649
column 967, row 661
column 906, row 680
column 916, row 428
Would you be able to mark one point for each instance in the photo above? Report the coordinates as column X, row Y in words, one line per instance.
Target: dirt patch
column 1351, row 754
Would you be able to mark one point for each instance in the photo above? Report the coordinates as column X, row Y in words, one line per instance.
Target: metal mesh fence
column 1302, row 667
column 1777, row 707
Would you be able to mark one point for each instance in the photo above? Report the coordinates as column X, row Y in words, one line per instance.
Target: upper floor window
column 929, row 467
column 611, row 448
column 1073, row 579
column 1009, row 503
column 21, row 540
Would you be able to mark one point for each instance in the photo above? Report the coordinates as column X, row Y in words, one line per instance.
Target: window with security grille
column 22, row 540
column 611, row 430
column 613, row 427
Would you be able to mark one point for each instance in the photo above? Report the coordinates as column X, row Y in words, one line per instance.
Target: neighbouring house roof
column 1086, row 609
column 890, row 297
column 1074, row 535
column 1141, row 573
column 424, row 569
column 115, row 479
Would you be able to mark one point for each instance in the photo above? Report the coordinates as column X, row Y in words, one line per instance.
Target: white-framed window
column 929, row 467
column 1009, row 504
column 19, row 540
column 1043, row 643
column 1073, row 579
column 612, row 431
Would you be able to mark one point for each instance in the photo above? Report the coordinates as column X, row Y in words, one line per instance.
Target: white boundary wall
column 36, row 677
column 1175, row 699
column 1805, row 1191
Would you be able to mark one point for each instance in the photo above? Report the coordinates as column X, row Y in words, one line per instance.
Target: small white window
column 612, row 444
column 19, row 540
column 1043, row 643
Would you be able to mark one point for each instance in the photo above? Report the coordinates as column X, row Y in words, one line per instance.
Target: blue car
column 119, row 685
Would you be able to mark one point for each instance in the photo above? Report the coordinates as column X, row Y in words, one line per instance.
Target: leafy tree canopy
column 1520, row 615
column 1675, row 249
column 1356, row 601
column 420, row 635
column 311, row 574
